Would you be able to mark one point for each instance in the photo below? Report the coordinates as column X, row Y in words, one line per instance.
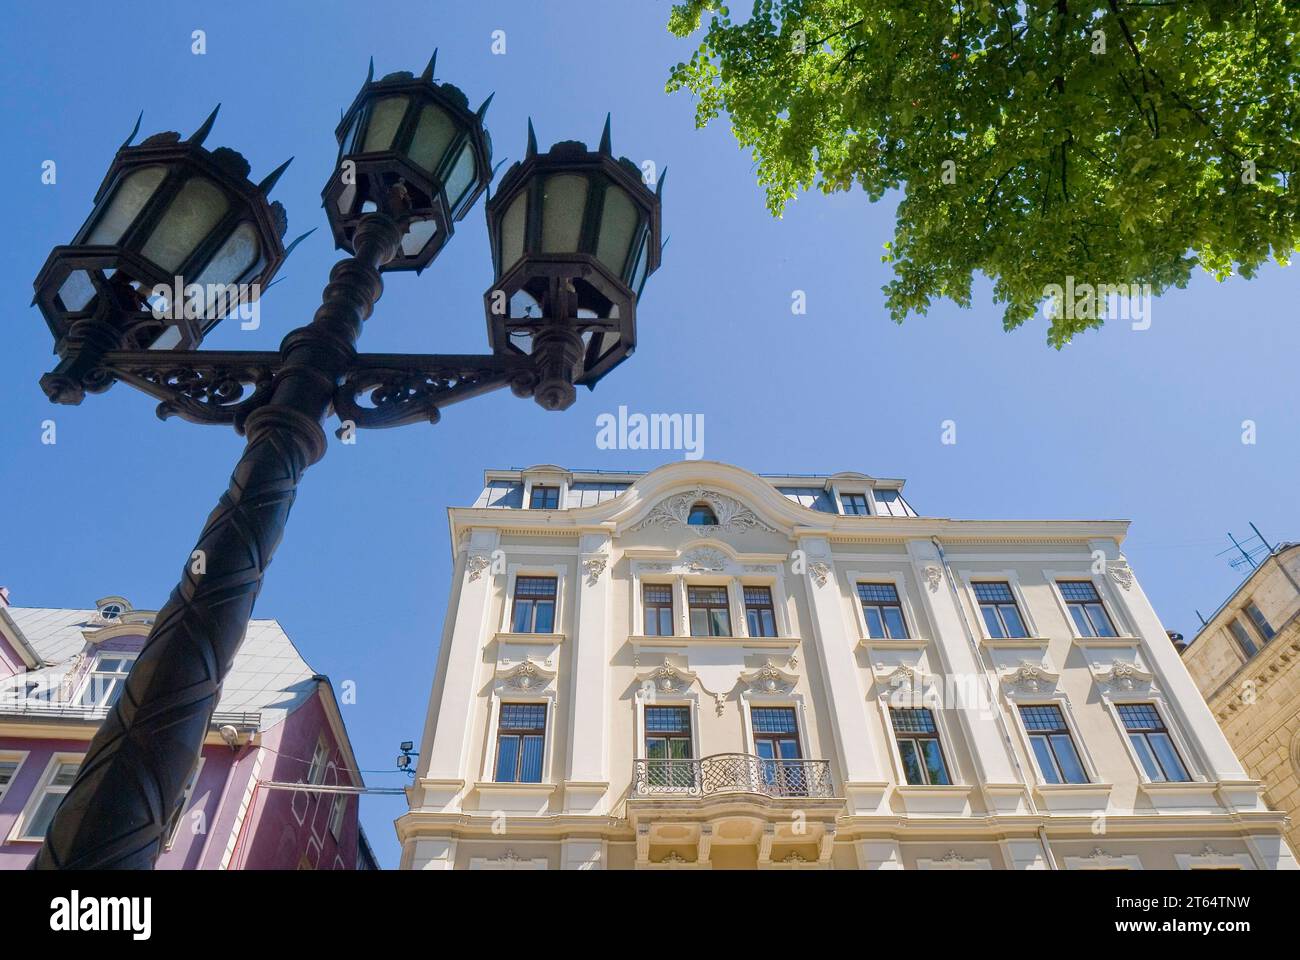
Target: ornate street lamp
column 169, row 215
column 574, row 235
column 173, row 216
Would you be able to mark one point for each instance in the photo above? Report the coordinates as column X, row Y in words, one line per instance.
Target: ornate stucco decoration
column 665, row 679
column 952, row 856
column 766, row 568
column 1125, row 675
column 1120, row 572
column 733, row 516
column 526, row 676
column 477, row 564
column 933, row 576
column 769, row 680
column 794, row 857
column 1030, row 678
column 674, row 857
column 705, row 561
column 594, row 566
column 819, row 570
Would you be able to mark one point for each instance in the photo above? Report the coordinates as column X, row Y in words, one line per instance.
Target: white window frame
column 19, row 757
column 792, row 700
column 192, row 786
column 862, row 489
column 502, row 692
column 516, row 570
column 89, row 677
column 543, row 479
column 929, row 699
column 1195, row 768
column 916, row 628
column 734, row 598
column 1062, row 702
column 1114, row 609
column 18, row 833
column 321, row 743
column 655, row 579
column 338, row 813
column 689, row 698
column 1012, row 579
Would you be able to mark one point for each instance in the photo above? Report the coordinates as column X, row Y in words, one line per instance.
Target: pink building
column 277, row 732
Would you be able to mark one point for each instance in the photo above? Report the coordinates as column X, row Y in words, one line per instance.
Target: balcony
column 725, row 773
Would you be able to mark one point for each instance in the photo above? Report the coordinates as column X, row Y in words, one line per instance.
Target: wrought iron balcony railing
column 733, row 773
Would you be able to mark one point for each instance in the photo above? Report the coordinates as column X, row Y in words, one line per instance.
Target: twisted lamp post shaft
column 135, row 769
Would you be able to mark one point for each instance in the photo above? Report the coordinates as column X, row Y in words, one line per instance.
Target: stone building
column 699, row 667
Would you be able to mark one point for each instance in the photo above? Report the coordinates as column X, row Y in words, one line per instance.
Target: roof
column 268, row 676
column 1246, row 585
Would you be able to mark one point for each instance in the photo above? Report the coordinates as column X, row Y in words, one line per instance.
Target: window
column 1261, row 622
column 521, row 735
column 1147, row 733
column 855, row 504
column 1090, row 617
column 316, row 770
column 175, row 828
column 776, row 741
column 534, row 610
column 544, row 498
column 668, row 747
column 998, row 608
column 1058, row 760
column 918, row 746
column 39, row 815
column 760, row 615
column 882, row 611
column 710, row 614
column 702, row 515
column 105, row 683
column 657, row 599
column 337, row 813
column 9, row 764
column 890, row 504
column 1242, row 636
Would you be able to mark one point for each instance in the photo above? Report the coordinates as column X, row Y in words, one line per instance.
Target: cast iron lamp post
column 574, row 234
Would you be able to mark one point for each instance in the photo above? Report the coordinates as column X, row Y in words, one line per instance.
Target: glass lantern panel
column 512, row 231
column 129, row 197
column 233, row 258
column 618, row 223
column 418, row 235
column 638, row 272
column 385, row 118
column 346, row 198
column 350, row 138
column 76, row 291
column 190, row 216
column 433, row 134
column 563, row 202
column 461, row 176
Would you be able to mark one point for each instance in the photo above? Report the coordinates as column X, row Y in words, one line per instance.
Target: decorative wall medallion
column 1120, row 572
column 732, row 515
column 1125, row 675
column 933, row 576
column 594, row 566
column 718, row 704
column 705, row 561
column 528, row 676
column 665, row 678
column 477, row 564
column 819, row 570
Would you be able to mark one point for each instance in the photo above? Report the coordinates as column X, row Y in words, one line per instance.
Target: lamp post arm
column 135, row 769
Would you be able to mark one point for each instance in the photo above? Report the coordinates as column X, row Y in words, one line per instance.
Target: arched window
column 702, row 515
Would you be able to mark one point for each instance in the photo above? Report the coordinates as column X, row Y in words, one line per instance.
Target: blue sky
column 1143, row 425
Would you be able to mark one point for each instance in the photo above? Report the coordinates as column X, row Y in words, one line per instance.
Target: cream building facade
column 702, row 668
column 1246, row 661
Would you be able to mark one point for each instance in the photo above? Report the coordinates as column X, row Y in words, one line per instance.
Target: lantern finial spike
column 134, row 131
column 605, row 146
column 532, row 140
column 659, row 187
column 428, row 70
column 370, row 74
column 481, row 112
column 289, row 249
column 202, row 132
column 273, row 177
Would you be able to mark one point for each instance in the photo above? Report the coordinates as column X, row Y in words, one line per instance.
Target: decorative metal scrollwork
column 200, row 386
column 389, row 390
column 733, row 773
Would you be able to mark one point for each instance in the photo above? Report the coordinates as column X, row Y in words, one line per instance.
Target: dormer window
column 106, row 681
column 855, row 504
column 702, row 515
column 110, row 611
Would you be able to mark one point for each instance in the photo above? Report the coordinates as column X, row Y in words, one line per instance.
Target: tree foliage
column 1113, row 142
